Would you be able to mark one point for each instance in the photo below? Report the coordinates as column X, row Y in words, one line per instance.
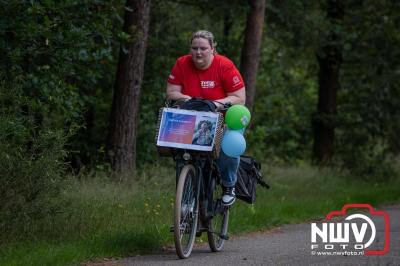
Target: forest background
column 326, row 91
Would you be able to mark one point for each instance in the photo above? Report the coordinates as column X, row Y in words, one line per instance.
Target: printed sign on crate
column 187, row 129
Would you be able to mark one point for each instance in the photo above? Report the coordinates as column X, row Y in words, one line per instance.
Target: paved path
column 288, row 245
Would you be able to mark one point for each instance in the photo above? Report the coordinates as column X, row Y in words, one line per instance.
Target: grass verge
column 106, row 219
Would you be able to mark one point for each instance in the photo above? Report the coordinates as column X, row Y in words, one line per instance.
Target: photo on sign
column 187, row 129
column 204, row 133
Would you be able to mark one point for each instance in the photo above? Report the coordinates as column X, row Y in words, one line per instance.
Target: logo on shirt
column 235, row 80
column 207, row 84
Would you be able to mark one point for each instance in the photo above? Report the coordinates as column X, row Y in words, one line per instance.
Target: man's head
column 202, row 48
column 203, row 126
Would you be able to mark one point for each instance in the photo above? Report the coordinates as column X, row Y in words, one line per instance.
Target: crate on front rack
column 179, row 129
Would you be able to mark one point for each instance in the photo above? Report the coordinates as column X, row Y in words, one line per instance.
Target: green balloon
column 237, row 117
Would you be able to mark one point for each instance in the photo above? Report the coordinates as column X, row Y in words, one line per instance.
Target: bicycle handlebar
column 177, row 103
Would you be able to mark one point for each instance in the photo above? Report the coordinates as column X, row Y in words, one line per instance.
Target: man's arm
column 236, row 97
column 174, row 92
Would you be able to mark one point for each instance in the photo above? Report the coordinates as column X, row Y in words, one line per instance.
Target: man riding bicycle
column 205, row 74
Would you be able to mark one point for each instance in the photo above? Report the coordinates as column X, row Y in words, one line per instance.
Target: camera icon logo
column 352, row 236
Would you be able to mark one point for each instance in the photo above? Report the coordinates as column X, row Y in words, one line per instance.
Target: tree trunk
column 329, row 67
column 121, row 142
column 251, row 48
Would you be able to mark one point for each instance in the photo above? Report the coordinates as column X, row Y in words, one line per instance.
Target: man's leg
column 228, row 167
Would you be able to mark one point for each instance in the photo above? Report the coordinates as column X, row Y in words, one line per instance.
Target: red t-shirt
column 213, row 83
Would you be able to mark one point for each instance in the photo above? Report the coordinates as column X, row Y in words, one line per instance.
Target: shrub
column 31, row 163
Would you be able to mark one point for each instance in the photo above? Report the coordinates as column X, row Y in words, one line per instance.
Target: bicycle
column 198, row 202
column 198, row 198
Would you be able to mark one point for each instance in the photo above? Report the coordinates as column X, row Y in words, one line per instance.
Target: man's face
column 202, row 53
column 204, row 127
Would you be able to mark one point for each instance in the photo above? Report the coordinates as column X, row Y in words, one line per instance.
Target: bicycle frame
column 204, row 180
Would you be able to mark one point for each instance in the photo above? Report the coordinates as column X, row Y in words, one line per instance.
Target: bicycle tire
column 218, row 224
column 186, row 212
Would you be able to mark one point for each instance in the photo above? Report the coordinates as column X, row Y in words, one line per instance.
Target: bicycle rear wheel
column 218, row 225
column 186, row 212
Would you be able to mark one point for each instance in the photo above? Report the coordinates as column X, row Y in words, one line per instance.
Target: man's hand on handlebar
column 219, row 105
column 222, row 106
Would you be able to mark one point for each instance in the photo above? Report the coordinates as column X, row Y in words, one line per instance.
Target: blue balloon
column 233, row 143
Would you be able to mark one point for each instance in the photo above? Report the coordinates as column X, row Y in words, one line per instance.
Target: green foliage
column 62, row 56
column 285, row 100
column 368, row 113
column 108, row 219
column 255, row 140
column 31, row 165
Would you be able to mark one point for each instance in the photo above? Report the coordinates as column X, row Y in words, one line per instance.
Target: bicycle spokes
column 186, row 214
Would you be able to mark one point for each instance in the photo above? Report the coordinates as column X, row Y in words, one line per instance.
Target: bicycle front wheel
column 218, row 225
column 186, row 212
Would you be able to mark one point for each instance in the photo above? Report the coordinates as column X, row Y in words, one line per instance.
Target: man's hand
column 174, row 92
column 236, row 97
column 219, row 105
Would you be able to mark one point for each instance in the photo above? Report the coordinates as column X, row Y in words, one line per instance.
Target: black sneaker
column 229, row 196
